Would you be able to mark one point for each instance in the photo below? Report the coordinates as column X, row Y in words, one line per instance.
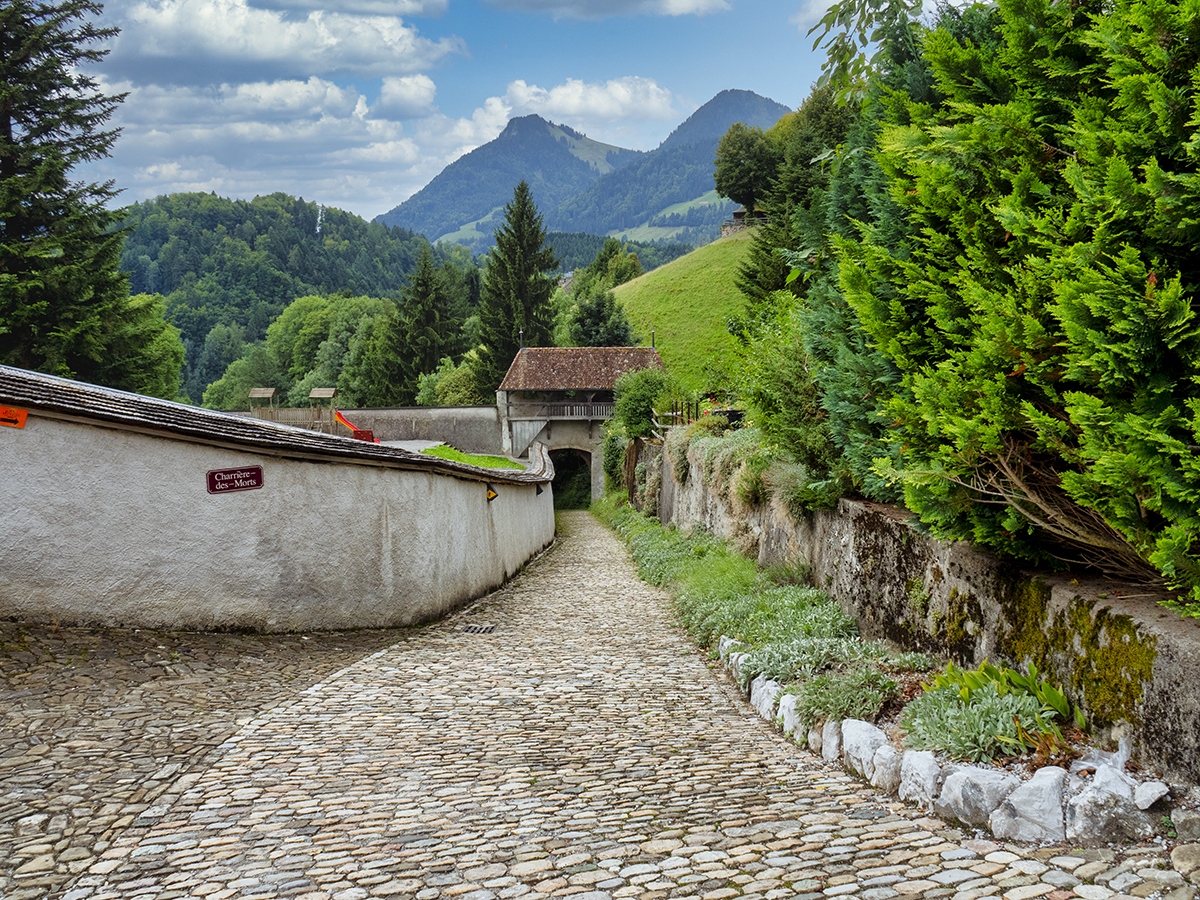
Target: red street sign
column 12, row 417
column 226, row 481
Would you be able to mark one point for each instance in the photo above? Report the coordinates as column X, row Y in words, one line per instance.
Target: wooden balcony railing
column 583, row 411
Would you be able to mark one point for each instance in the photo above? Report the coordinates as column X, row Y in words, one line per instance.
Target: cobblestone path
column 581, row 748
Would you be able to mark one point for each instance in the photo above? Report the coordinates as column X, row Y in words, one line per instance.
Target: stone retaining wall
column 1131, row 664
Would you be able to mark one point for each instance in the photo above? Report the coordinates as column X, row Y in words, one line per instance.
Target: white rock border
column 1053, row 806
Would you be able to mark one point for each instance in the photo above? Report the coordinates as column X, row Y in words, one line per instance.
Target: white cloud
column 405, row 97
column 809, row 14
column 601, row 9
column 218, row 33
column 362, row 7
column 155, row 105
column 576, row 101
column 451, row 138
column 311, row 138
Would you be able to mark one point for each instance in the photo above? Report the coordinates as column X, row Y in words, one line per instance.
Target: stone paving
column 583, row 748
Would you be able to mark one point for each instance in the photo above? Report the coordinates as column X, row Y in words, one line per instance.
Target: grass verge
column 688, row 303
column 793, row 634
column 797, row 636
column 472, row 459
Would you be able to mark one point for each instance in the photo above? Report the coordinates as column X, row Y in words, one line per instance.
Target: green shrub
column 1051, row 700
column 457, row 387
column 1039, row 304
column 777, row 380
column 677, row 443
column 990, row 725
column 749, row 486
column 613, row 450
column 805, row 656
column 982, row 713
column 860, row 693
column 636, row 396
column 679, row 440
column 787, row 611
column 794, row 486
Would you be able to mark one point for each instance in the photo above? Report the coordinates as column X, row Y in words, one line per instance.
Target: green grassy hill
column 688, row 302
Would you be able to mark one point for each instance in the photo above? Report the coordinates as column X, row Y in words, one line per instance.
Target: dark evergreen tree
column 429, row 327
column 613, row 265
column 517, row 286
column 64, row 303
column 817, row 127
column 599, row 321
column 376, row 372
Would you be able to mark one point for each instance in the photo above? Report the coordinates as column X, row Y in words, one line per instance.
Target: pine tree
column 428, row 328
column 516, row 291
column 64, row 303
column 599, row 321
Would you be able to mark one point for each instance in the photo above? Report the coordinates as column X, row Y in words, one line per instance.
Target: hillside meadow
column 688, row 302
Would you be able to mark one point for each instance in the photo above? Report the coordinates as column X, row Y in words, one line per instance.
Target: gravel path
column 582, row 748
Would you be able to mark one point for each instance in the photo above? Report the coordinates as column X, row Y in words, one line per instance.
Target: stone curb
column 1055, row 806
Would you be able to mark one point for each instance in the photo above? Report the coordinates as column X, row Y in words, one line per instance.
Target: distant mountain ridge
column 582, row 185
column 557, row 161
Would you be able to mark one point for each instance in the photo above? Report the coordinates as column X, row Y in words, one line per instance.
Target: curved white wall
column 108, row 524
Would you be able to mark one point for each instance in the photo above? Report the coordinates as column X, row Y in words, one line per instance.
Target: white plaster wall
column 105, row 526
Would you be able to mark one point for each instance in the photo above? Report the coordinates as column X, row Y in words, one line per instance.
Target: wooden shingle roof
column 60, row 398
column 576, row 368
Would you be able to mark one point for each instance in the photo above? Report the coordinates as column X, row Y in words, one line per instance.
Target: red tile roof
column 576, row 368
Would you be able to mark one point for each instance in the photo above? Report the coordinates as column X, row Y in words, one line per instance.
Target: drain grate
column 479, row 629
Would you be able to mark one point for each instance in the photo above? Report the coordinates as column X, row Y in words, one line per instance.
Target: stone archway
column 572, row 478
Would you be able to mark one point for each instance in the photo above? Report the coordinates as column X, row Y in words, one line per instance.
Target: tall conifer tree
column 428, row 324
column 64, row 303
column 516, row 291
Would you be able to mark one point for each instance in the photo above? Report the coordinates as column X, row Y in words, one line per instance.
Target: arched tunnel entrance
column 572, row 478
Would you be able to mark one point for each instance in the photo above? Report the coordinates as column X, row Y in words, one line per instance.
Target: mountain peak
column 710, row 122
column 466, row 199
column 524, row 125
column 584, row 185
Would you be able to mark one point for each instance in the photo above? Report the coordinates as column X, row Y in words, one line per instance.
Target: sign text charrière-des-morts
column 226, row 481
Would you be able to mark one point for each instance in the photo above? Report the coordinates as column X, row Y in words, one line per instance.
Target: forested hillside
column 577, row 249
column 228, row 267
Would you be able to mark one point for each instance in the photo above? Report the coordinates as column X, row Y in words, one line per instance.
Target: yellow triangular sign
column 491, row 493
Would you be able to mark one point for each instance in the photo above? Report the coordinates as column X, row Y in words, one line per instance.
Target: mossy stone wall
column 1131, row 664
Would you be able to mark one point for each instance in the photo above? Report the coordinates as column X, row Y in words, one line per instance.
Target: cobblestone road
column 582, row 748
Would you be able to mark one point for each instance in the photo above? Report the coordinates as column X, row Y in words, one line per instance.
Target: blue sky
column 359, row 103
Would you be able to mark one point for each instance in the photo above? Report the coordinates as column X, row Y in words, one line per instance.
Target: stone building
column 561, row 397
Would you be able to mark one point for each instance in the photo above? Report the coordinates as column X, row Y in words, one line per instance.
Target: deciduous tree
column 746, row 164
